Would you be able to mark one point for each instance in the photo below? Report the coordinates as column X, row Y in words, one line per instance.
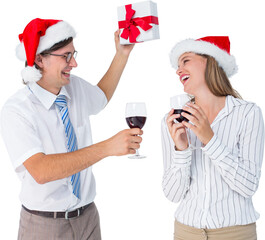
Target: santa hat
column 40, row 35
column 218, row 47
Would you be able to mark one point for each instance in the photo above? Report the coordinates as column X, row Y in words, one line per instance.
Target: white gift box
column 145, row 14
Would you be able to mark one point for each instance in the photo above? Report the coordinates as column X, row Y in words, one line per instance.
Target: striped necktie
column 61, row 103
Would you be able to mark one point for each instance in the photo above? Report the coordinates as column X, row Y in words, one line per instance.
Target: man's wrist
column 103, row 149
column 121, row 55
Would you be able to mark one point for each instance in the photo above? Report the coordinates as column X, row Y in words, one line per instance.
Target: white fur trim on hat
column 225, row 60
column 20, row 52
column 54, row 34
column 31, row 74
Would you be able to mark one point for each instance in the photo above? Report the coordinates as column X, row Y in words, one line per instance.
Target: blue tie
column 61, row 103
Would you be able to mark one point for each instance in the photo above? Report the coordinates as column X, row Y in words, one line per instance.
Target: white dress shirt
column 31, row 123
column 215, row 183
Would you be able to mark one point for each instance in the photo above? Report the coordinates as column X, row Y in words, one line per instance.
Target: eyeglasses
column 68, row 56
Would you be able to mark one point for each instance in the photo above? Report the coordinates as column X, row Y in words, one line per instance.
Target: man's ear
column 38, row 60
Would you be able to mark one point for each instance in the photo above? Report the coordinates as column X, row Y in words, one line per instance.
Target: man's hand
column 122, row 49
column 124, row 142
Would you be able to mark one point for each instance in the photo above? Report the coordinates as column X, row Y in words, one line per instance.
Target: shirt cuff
column 215, row 149
column 104, row 97
column 182, row 157
column 19, row 162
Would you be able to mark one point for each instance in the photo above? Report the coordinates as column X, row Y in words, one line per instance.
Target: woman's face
column 191, row 71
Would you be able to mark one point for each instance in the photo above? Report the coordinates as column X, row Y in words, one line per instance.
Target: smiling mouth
column 67, row 74
column 184, row 79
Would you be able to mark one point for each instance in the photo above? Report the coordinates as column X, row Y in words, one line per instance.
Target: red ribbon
column 130, row 30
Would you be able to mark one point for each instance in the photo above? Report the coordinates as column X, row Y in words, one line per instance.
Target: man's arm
column 45, row 168
column 111, row 79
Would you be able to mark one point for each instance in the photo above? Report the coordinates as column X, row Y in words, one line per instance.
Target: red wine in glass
column 135, row 115
column 136, row 121
column 177, row 103
column 181, row 118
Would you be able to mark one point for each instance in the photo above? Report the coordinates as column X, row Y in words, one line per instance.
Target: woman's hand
column 177, row 131
column 201, row 126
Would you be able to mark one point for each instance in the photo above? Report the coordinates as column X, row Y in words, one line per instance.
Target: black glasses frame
column 68, row 56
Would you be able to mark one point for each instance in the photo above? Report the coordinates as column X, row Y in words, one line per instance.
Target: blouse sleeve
column 177, row 167
column 241, row 171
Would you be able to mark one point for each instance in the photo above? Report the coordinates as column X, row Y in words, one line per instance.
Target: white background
column 129, row 193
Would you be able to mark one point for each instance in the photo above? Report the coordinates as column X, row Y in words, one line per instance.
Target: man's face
column 55, row 69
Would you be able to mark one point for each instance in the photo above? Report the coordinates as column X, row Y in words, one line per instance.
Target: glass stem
column 188, row 137
column 137, row 152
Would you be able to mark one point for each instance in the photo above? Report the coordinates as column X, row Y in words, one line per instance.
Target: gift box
column 138, row 22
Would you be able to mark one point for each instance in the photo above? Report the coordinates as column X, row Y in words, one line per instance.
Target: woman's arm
column 241, row 171
column 177, row 164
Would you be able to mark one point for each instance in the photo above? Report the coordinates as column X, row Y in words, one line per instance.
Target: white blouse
column 215, row 183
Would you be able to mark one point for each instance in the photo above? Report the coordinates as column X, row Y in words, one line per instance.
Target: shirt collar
column 45, row 97
column 230, row 103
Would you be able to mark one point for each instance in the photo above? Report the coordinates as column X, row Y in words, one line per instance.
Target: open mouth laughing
column 66, row 74
column 184, row 78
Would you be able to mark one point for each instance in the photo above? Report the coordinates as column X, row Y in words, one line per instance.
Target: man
column 47, row 133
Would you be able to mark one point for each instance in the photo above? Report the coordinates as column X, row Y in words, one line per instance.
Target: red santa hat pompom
column 40, row 35
column 216, row 46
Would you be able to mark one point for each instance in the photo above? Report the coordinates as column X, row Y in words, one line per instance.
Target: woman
column 215, row 182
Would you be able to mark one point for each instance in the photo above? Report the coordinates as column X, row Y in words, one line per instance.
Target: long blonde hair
column 216, row 79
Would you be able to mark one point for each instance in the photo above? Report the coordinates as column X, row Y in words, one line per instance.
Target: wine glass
column 177, row 103
column 135, row 114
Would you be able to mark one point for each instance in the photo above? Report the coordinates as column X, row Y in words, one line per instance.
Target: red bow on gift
column 130, row 30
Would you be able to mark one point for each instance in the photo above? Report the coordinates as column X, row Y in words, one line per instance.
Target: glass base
column 136, row 156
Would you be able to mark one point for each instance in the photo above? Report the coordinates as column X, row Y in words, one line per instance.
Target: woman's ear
column 38, row 61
